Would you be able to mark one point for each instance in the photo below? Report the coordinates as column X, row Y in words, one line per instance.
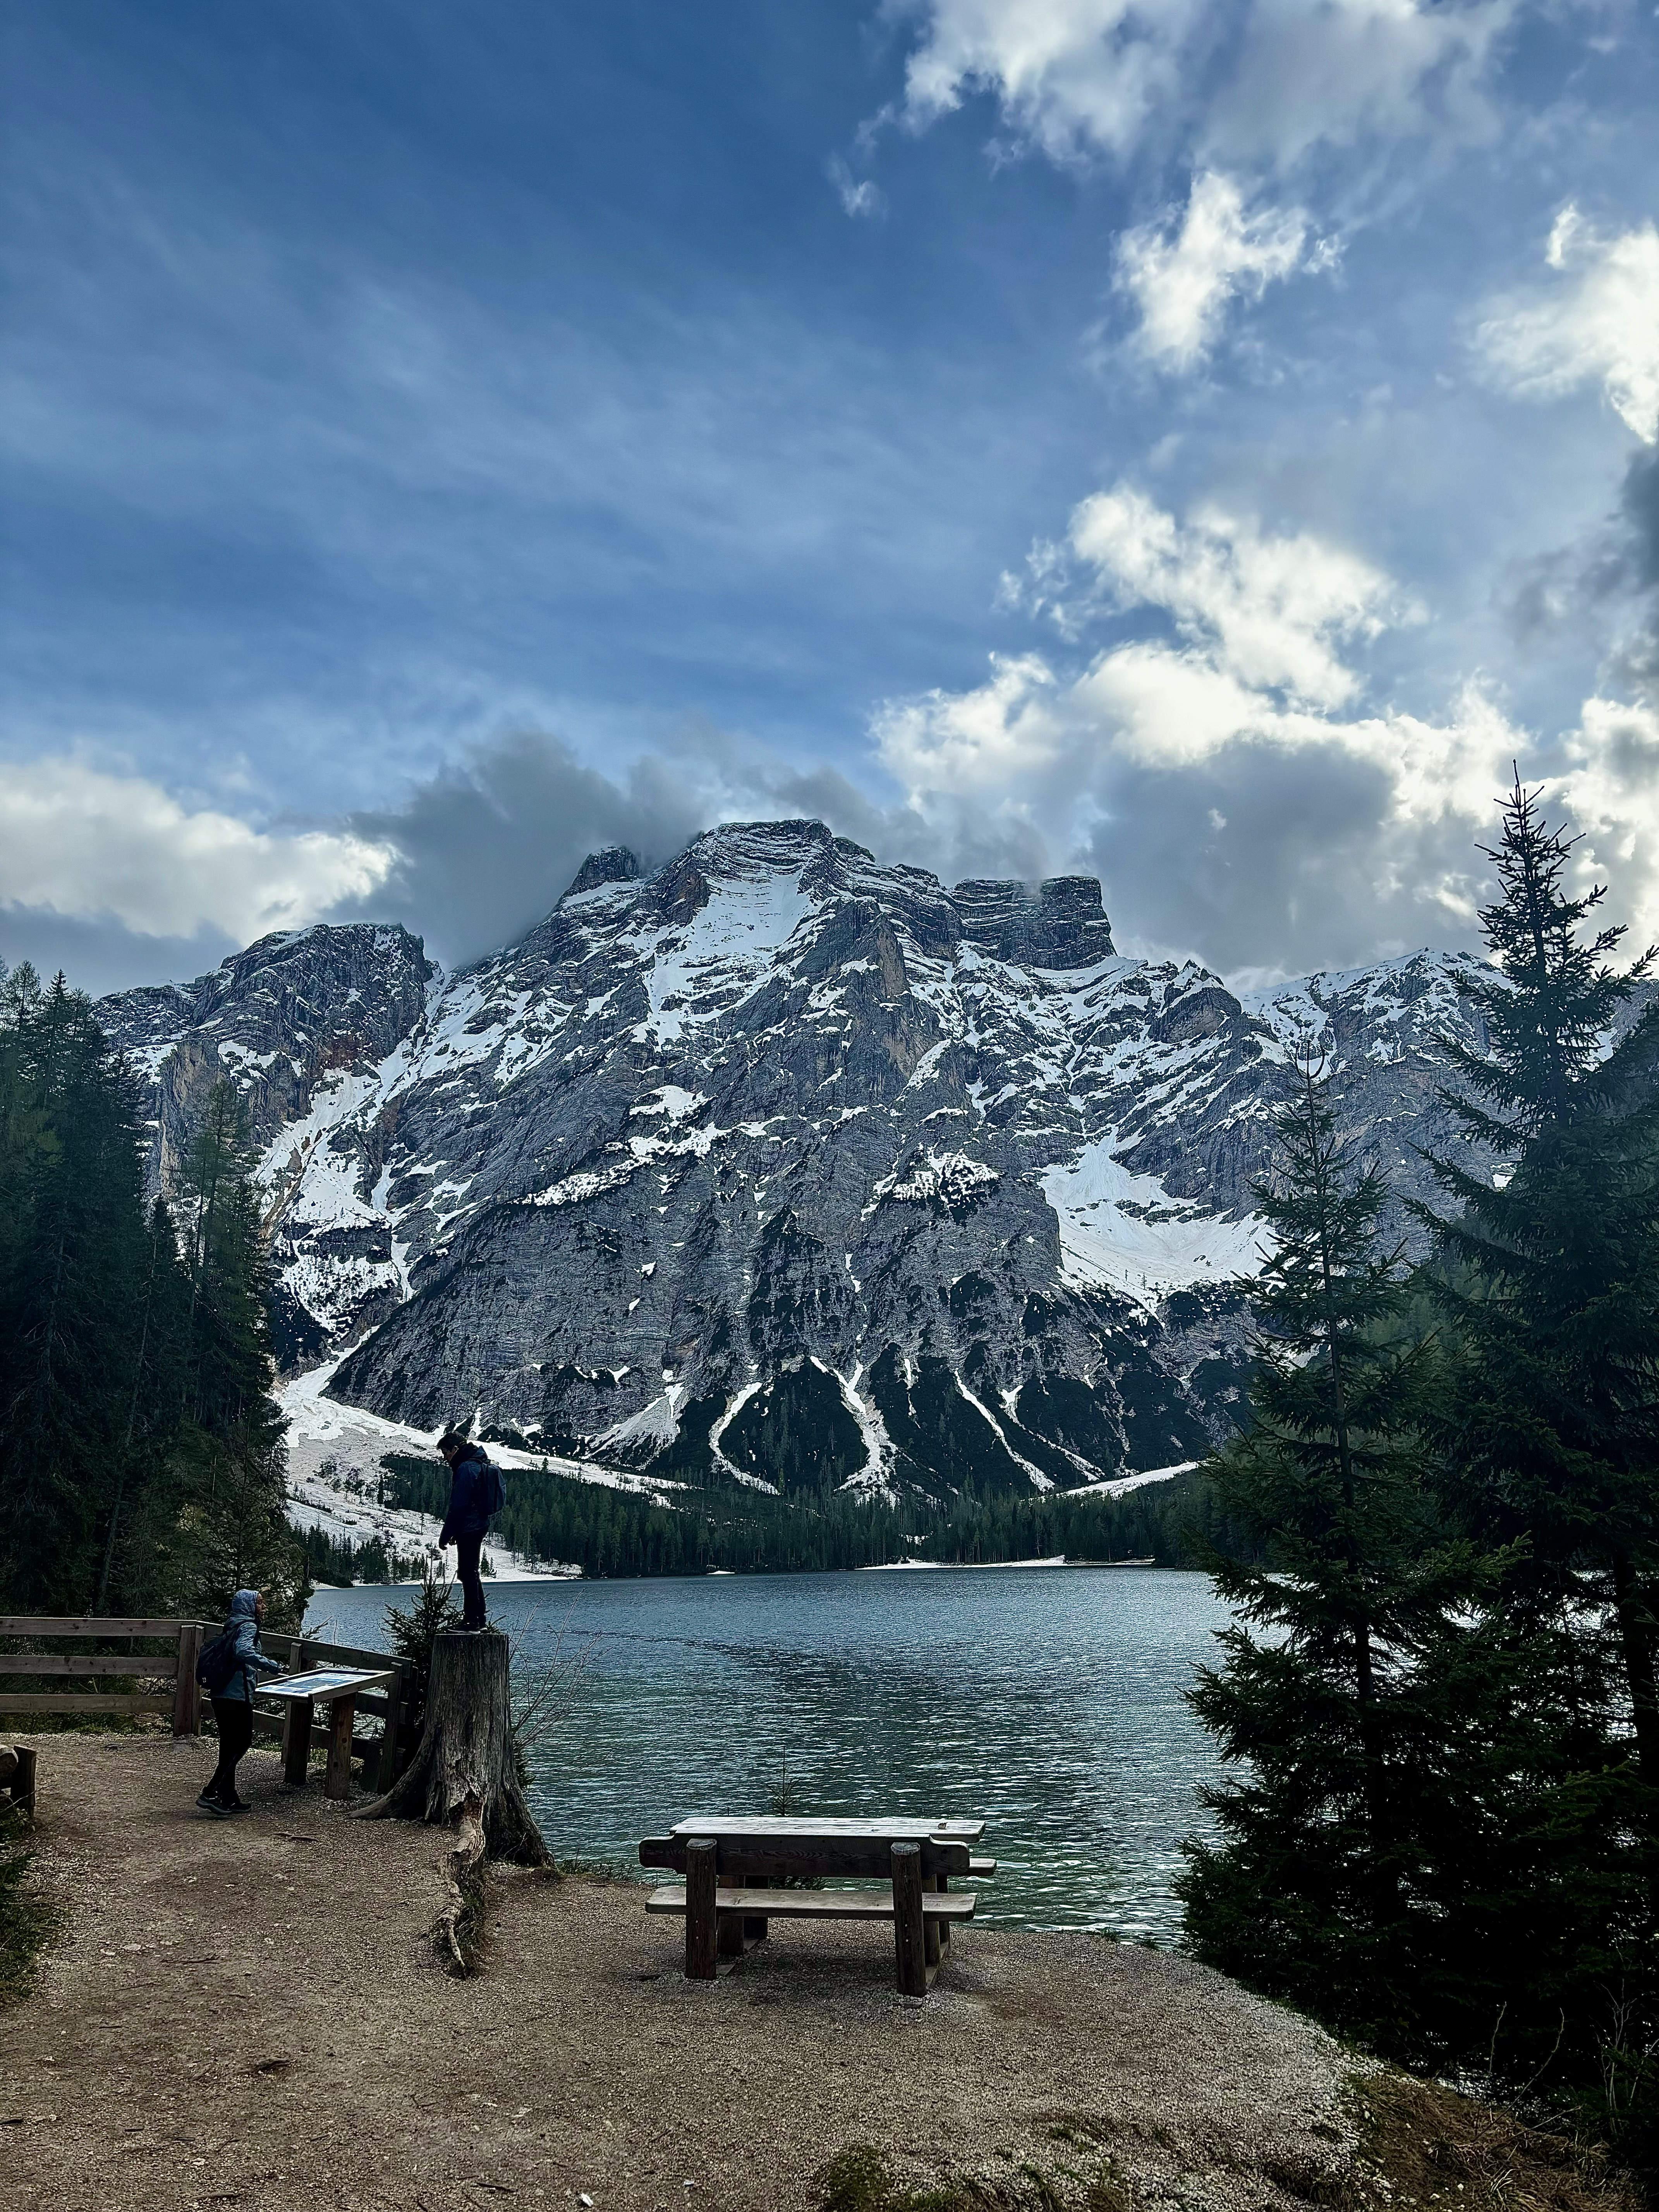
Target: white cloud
column 1228, row 779
column 1599, row 323
column 1073, row 76
column 1077, row 78
column 1182, row 283
column 1611, row 788
column 1273, row 607
column 83, row 843
column 858, row 197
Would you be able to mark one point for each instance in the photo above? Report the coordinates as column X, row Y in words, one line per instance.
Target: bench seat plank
column 815, row 1903
column 908, row 1829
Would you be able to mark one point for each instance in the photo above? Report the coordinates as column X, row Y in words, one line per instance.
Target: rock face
column 785, row 1168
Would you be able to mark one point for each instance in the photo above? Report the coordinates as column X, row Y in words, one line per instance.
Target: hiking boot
column 240, row 1805
column 208, row 1802
column 211, row 1805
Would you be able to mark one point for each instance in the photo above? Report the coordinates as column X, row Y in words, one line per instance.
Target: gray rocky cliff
column 781, row 1167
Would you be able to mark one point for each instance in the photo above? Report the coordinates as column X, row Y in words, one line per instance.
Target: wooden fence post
column 701, row 1883
column 186, row 1695
column 909, row 1943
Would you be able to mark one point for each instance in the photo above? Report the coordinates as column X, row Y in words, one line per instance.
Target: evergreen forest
column 1441, row 1834
column 143, row 1449
column 605, row 1531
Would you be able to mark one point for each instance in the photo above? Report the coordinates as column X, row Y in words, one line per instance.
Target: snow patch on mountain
column 1122, row 1230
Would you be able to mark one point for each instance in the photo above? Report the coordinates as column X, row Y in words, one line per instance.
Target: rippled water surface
column 1046, row 1701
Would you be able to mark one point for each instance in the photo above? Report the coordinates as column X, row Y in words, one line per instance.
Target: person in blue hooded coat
column 472, row 1494
column 233, row 1706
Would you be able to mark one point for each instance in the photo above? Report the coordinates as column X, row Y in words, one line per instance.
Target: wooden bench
column 733, row 1868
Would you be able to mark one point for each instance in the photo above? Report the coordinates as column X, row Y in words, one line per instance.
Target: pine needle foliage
column 1352, row 1662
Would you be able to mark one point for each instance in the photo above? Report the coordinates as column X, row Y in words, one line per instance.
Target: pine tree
column 1351, row 1662
column 154, row 1413
column 215, row 1522
column 1548, row 1442
column 1552, row 1432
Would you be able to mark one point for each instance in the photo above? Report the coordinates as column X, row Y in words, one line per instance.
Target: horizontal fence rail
column 384, row 1755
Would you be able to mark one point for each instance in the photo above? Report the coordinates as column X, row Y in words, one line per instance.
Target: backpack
column 492, row 1487
column 216, row 1662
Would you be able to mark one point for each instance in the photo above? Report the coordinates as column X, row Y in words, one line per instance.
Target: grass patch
column 857, row 2179
column 28, row 1922
column 603, row 1869
column 1429, row 2146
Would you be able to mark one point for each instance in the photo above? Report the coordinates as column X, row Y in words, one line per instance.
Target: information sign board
column 323, row 1683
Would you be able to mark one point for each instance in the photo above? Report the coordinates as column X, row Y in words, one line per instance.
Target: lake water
column 1047, row 1701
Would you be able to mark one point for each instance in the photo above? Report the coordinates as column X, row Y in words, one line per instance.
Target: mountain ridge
column 776, row 1167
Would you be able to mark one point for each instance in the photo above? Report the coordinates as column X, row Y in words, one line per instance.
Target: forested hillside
column 142, row 1450
column 608, row 1531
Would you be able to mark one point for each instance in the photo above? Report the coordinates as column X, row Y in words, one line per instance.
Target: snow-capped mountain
column 782, row 1167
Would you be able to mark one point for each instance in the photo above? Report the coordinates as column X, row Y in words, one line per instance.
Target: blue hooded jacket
column 470, row 1490
column 248, row 1654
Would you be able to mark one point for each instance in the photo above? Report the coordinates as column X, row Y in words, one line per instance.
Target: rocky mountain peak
column 615, row 865
column 1059, row 923
column 295, row 1009
column 781, row 1166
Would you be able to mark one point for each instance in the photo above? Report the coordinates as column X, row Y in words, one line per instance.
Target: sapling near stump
column 463, row 1776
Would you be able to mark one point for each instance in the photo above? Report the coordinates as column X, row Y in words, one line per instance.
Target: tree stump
column 462, row 1774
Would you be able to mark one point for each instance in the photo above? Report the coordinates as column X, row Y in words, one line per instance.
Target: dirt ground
column 247, row 2013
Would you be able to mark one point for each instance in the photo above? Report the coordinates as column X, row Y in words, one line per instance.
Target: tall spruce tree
column 1352, row 1662
column 1547, row 1439
column 1552, row 1430
column 154, row 1414
column 217, row 1523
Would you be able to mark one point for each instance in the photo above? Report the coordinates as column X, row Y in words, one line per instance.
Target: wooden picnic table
column 339, row 1689
column 734, row 1863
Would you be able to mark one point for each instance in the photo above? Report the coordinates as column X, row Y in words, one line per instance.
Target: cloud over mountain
column 80, row 841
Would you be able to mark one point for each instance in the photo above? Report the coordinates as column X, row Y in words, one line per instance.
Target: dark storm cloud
column 1606, row 586
column 487, row 846
column 1274, row 862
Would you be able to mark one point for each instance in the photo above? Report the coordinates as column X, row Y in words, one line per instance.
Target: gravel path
column 245, row 2013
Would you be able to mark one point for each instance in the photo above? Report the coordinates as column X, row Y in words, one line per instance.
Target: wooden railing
column 173, row 1691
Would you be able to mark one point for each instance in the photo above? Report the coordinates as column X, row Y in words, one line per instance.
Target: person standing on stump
column 476, row 1491
column 232, row 1692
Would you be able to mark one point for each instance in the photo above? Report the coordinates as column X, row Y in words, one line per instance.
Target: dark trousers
column 467, row 1549
column 234, row 1719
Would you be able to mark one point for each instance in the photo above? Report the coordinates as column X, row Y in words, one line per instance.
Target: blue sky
column 1198, row 443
